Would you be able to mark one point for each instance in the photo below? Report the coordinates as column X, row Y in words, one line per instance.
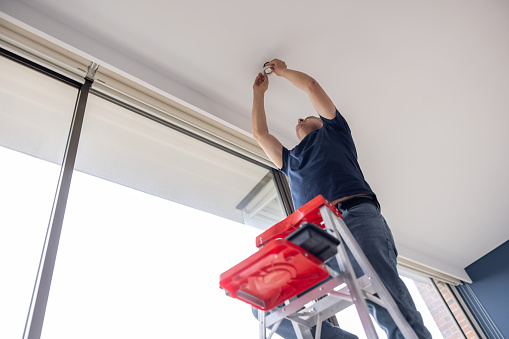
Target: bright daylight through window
column 35, row 116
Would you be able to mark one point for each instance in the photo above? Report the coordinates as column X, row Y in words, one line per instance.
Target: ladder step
column 327, row 306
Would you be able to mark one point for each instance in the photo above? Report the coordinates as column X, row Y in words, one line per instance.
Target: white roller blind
column 177, row 114
column 124, row 147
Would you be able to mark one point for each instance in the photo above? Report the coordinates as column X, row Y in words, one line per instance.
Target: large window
column 146, row 261
column 35, row 116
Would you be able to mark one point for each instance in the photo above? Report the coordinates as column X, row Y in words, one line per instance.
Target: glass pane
column 35, row 115
column 262, row 207
column 440, row 312
column 421, row 303
column 145, row 262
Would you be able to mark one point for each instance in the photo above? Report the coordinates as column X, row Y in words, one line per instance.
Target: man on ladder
column 325, row 162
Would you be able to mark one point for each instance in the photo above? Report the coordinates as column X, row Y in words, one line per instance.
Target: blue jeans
column 374, row 237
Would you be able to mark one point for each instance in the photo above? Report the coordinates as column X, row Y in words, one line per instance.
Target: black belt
column 363, row 199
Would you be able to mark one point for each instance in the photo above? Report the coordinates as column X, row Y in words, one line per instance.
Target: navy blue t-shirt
column 324, row 162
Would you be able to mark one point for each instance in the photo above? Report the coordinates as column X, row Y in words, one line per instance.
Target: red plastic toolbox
column 279, row 271
column 310, row 212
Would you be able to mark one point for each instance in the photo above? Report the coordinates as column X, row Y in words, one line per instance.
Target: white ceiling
column 424, row 87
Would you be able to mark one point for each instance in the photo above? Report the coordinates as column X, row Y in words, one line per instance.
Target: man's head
column 307, row 125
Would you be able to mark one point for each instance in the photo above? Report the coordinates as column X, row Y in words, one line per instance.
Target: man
column 325, row 162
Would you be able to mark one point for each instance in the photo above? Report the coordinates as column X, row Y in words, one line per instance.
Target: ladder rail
column 347, row 271
column 262, row 324
column 383, row 294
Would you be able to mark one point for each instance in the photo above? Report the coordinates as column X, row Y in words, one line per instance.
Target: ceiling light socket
column 267, row 69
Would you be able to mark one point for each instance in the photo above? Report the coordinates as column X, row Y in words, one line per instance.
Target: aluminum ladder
column 343, row 290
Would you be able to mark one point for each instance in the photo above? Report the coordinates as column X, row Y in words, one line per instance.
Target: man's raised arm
column 320, row 100
column 270, row 145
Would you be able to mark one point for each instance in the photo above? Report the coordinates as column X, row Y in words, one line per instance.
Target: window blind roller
column 415, row 271
column 41, row 51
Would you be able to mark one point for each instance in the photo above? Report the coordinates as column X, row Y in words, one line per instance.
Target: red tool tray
column 279, row 271
column 310, row 212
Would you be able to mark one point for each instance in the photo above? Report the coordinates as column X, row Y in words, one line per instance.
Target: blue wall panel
column 490, row 276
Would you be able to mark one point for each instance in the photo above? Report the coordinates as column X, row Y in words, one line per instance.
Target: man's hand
column 261, row 84
column 278, row 66
column 321, row 102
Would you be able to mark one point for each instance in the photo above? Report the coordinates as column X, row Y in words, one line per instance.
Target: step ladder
column 282, row 280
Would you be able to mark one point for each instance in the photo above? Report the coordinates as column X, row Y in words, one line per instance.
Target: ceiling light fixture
column 267, row 69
